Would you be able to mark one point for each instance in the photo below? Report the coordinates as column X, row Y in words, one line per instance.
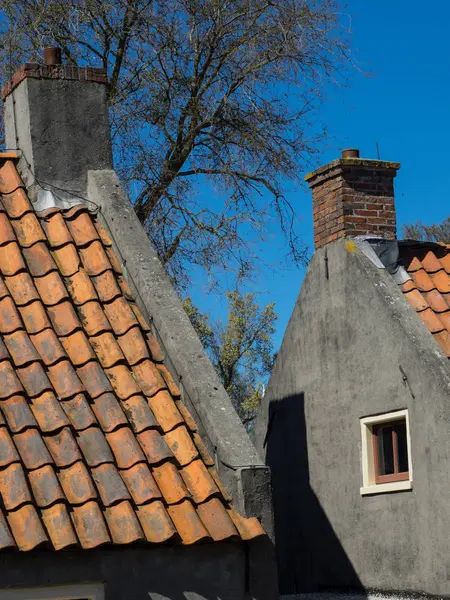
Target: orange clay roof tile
column 95, row 446
column 139, row 413
column 428, row 291
column 17, row 413
column 155, row 522
column 140, row 483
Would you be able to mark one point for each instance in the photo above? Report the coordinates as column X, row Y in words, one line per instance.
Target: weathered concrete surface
column 62, row 129
column 340, row 360
column 205, row 572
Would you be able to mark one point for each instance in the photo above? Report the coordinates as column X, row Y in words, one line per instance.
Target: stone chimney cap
column 52, row 56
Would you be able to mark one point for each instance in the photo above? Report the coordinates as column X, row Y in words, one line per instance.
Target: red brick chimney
column 353, row 196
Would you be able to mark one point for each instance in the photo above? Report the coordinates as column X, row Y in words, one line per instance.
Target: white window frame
column 92, row 591
column 368, row 470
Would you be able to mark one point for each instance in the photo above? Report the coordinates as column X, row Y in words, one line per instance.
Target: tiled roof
column 95, row 444
column 428, row 290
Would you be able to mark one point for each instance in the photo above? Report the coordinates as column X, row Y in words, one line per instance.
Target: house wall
column 205, row 572
column 349, row 334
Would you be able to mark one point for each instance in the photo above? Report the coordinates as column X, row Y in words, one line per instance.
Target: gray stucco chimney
column 56, row 115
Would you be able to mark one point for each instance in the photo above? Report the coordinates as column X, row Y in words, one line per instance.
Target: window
column 93, row 591
column 386, row 453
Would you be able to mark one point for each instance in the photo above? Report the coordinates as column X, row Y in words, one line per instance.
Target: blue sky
column 404, row 106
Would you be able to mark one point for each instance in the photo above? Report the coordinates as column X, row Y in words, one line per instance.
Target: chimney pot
column 350, row 153
column 52, row 56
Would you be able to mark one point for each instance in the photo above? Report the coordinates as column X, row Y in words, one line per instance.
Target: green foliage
column 438, row 232
column 241, row 349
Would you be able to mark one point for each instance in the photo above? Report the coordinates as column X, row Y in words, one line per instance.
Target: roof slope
column 428, row 289
column 95, row 444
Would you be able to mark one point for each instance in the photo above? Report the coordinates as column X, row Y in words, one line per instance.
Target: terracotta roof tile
column 26, row 528
column 94, row 446
column 6, row 538
column 168, row 480
column 90, row 525
column 140, row 483
column 78, row 348
column 154, row 446
column 107, row 349
column 16, row 203
column 248, row 528
column 59, row 527
column 148, row 377
column 165, row 410
column 110, row 485
column 6, row 231
column 45, row 486
column 133, row 345
column 28, row 230
column 81, row 287
column 64, row 318
column 82, row 229
column 106, row 286
column 20, row 348
column 34, row 379
column 216, row 520
column 156, row 523
column 79, row 412
column 8, row 452
column 94, row 379
column 14, row 487
column 154, row 347
column 429, row 290
column 11, row 259
column 48, row 412
column 93, row 318
column 94, row 442
column 39, row 260
column 77, row 484
column 198, row 481
column 108, row 412
column 56, row 230
column 17, row 413
column 125, row 447
column 32, row 449
column 65, row 380
column 180, row 442
column 48, row 346
column 67, row 259
column 123, row 524
column 9, row 383
column 63, row 447
column 34, row 317
column 139, row 413
column 187, row 522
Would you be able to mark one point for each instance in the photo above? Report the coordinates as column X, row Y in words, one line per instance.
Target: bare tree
column 212, row 105
column 437, row 232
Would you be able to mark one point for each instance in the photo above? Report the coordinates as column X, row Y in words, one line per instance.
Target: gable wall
column 339, row 361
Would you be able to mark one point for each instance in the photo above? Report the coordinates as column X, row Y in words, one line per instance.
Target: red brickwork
column 64, row 72
column 353, row 197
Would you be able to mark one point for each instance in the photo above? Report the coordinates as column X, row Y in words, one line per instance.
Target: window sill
column 383, row 488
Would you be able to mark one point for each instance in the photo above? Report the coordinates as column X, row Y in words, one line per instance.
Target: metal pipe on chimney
column 350, row 153
column 52, row 56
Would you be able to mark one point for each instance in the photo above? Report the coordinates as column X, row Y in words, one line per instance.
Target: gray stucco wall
column 340, row 360
column 206, row 572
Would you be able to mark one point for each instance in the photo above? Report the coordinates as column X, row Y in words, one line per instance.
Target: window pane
column 400, row 430
column 385, row 451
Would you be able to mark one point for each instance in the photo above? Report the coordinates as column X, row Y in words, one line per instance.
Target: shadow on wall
column 310, row 556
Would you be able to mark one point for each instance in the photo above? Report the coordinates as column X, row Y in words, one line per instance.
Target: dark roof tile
column 156, row 523
column 110, row 485
column 59, row 526
column 45, row 486
column 63, row 447
column 140, row 483
column 139, row 413
column 123, row 524
column 94, row 446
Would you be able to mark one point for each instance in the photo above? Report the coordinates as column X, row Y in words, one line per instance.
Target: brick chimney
column 353, row 196
column 57, row 116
